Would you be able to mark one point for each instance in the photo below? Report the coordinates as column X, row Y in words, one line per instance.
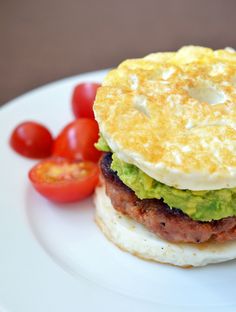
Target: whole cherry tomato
column 32, row 140
column 83, row 98
column 76, row 141
column 63, row 181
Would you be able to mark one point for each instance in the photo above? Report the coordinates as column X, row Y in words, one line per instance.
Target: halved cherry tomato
column 83, row 98
column 63, row 181
column 76, row 141
column 32, row 140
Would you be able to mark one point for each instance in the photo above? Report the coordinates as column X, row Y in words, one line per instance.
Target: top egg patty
column 173, row 115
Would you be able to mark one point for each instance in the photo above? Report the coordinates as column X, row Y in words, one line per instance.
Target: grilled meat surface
column 168, row 223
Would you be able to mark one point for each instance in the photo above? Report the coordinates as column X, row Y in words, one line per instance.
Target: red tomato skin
column 67, row 191
column 76, row 141
column 83, row 98
column 32, row 140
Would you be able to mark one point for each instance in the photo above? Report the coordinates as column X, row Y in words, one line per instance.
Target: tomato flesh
column 83, row 98
column 31, row 139
column 63, row 181
column 76, row 141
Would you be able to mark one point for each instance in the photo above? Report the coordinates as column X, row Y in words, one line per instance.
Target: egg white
column 137, row 240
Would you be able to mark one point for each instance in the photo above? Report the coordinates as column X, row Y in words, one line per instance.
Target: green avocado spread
column 102, row 145
column 198, row 205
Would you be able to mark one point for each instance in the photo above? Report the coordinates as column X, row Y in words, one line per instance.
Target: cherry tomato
column 76, row 141
column 83, row 98
column 63, row 181
column 32, row 140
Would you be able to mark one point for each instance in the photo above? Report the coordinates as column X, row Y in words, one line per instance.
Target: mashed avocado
column 102, row 145
column 199, row 205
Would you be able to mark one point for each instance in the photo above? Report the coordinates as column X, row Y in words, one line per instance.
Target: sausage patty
column 168, row 223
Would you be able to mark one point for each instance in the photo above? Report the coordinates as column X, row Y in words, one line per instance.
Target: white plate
column 56, row 259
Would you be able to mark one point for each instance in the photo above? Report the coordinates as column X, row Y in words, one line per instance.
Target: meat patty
column 168, row 223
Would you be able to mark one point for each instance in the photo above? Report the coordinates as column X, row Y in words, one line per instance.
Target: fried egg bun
column 134, row 238
column 168, row 121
